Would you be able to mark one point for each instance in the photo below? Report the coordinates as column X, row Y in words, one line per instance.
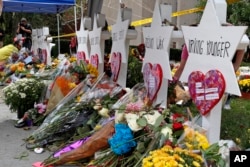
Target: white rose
column 131, row 120
column 167, row 132
column 97, row 107
column 119, row 116
column 104, row 112
column 151, row 118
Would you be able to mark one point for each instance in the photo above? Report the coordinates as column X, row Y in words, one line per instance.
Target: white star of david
column 212, row 46
column 157, row 40
column 95, row 42
column 119, row 33
column 82, row 39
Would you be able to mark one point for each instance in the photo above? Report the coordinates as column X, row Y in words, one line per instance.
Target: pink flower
column 134, row 107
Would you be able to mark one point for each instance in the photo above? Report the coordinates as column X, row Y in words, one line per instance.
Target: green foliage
column 134, row 74
column 237, row 13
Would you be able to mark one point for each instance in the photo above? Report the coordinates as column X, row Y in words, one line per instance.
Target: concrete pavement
column 12, row 148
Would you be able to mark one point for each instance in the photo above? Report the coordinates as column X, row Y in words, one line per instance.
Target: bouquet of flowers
column 63, row 84
column 100, row 124
column 139, row 129
column 22, row 94
column 72, row 112
column 244, row 85
column 173, row 157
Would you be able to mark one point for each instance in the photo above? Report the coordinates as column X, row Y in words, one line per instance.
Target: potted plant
column 244, row 85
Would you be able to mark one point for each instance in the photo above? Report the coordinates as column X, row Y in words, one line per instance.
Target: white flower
column 224, row 148
column 131, row 120
column 152, row 117
column 166, row 131
column 97, row 107
column 119, row 116
column 23, row 95
column 104, row 112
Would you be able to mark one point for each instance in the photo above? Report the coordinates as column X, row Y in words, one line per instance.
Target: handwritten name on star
column 82, row 40
column 95, row 41
column 209, row 47
column 155, row 43
column 117, row 36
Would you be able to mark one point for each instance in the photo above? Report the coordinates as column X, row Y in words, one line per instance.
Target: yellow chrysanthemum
column 72, row 85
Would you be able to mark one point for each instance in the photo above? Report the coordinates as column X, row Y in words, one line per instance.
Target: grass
column 235, row 123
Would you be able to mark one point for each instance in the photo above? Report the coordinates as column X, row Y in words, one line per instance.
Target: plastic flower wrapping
column 76, row 118
column 22, row 94
column 139, row 129
column 67, row 80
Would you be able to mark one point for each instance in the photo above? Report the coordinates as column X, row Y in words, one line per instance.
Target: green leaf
column 158, row 121
column 142, row 121
column 140, row 147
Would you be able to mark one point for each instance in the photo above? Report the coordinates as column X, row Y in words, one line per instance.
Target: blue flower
column 122, row 141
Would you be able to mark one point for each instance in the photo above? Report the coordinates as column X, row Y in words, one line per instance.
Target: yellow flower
column 78, row 98
column 97, row 127
column 196, row 164
column 172, row 157
column 72, row 59
column 238, row 140
column 244, row 85
column 72, row 85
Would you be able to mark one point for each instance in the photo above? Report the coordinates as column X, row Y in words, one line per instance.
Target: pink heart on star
column 206, row 90
column 80, row 56
column 115, row 65
column 94, row 60
column 152, row 75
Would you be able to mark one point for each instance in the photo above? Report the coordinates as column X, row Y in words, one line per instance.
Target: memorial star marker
column 156, row 68
column 211, row 47
column 83, row 43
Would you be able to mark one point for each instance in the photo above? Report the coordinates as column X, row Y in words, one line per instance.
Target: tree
column 238, row 12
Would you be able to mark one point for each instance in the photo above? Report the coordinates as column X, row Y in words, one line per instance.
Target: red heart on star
column 206, row 90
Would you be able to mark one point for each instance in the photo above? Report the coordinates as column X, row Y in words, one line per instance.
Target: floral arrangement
column 244, row 85
column 94, row 102
column 169, row 156
column 194, row 139
column 22, row 94
column 81, row 70
column 123, row 134
column 68, row 114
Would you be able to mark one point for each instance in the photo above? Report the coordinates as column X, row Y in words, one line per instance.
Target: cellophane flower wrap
column 194, row 136
column 102, row 95
column 22, row 94
column 148, row 130
column 76, row 109
column 64, row 114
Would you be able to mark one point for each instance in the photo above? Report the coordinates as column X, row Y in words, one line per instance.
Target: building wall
column 142, row 9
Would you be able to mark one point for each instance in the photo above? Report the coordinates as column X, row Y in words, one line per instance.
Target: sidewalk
column 13, row 152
